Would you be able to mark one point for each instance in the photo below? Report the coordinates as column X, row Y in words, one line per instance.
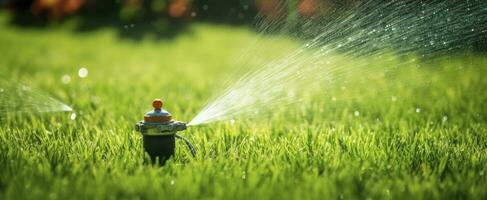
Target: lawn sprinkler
column 159, row 132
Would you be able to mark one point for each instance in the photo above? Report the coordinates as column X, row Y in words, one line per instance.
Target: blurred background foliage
column 167, row 18
column 226, row 11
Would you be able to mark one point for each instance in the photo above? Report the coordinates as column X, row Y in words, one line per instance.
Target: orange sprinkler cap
column 157, row 104
column 158, row 114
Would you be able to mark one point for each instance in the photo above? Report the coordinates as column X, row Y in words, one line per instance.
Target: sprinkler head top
column 159, row 122
column 158, row 115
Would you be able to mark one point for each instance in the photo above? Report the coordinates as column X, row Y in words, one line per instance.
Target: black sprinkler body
column 159, row 133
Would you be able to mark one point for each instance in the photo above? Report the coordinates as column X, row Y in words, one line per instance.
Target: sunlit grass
column 419, row 132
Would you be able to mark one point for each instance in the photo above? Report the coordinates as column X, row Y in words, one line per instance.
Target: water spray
column 358, row 40
column 16, row 97
column 159, row 133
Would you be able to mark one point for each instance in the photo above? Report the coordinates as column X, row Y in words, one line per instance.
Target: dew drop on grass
column 172, row 182
column 1, row 90
column 444, row 119
column 66, row 79
column 83, row 72
column 26, row 88
column 72, row 116
column 418, row 110
column 291, row 94
column 356, row 113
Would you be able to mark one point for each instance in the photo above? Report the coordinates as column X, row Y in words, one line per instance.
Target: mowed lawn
column 417, row 132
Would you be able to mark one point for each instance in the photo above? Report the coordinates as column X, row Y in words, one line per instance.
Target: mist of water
column 17, row 98
column 333, row 43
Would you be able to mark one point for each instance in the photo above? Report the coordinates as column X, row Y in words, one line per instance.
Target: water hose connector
column 158, row 132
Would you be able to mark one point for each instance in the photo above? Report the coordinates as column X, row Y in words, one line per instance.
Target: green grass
column 317, row 149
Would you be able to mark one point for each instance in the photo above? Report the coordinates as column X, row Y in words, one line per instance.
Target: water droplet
column 394, row 98
column 356, row 113
column 2, row 90
column 418, row 110
column 334, row 99
column 291, row 94
column 83, row 72
column 66, row 79
column 73, row 116
column 26, row 88
column 172, row 182
column 444, row 119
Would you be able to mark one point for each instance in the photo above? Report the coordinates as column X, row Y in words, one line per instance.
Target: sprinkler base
column 159, row 147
